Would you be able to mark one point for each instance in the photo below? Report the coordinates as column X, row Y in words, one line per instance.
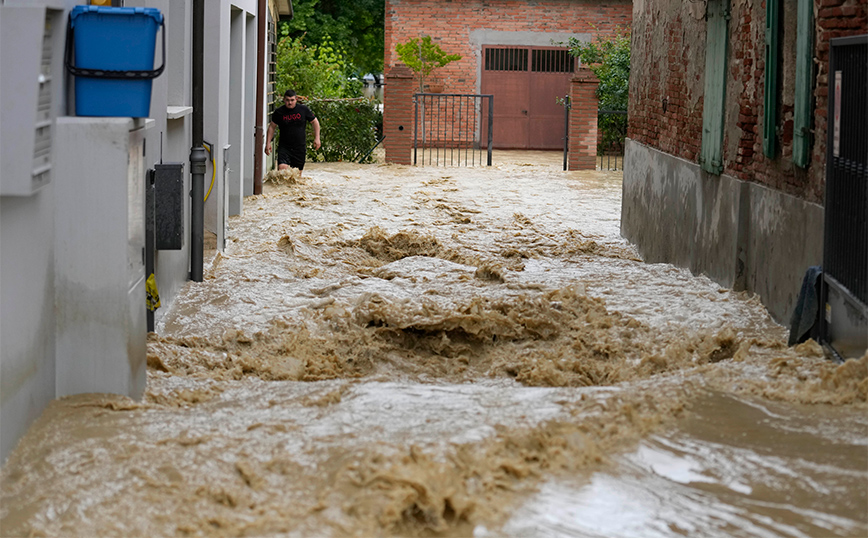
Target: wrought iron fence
column 611, row 132
column 453, row 129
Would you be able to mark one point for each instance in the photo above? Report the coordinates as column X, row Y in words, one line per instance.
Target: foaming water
column 389, row 350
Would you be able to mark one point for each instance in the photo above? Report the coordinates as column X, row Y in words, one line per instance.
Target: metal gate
column 844, row 325
column 453, row 129
column 528, row 82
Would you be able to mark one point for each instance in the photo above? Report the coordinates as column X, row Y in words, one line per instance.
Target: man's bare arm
column 269, row 137
column 316, row 141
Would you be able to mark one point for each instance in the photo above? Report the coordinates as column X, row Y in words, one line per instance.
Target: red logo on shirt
column 292, row 117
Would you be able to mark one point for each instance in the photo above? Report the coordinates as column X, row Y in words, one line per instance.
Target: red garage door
column 526, row 83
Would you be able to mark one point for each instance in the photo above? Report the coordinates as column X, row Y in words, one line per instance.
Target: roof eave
column 284, row 8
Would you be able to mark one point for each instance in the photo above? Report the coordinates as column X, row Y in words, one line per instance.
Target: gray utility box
column 99, row 254
column 169, row 206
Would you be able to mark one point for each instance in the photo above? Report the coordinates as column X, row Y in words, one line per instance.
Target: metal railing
column 612, row 130
column 452, row 129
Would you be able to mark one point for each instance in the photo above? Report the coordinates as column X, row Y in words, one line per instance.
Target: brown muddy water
column 385, row 350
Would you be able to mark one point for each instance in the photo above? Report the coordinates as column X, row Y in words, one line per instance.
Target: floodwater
column 385, row 350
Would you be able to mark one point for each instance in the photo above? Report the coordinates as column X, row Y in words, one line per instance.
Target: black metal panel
column 846, row 219
column 453, row 129
column 844, row 323
column 552, row 61
column 169, row 206
column 506, row 59
column 149, row 237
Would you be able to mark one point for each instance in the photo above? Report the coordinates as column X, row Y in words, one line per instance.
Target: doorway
column 527, row 83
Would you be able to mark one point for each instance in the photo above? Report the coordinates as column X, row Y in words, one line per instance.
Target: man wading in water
column 292, row 119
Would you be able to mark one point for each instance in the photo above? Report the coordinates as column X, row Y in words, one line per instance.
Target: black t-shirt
column 292, row 123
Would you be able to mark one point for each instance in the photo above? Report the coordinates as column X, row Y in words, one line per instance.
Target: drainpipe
column 258, row 134
column 197, row 152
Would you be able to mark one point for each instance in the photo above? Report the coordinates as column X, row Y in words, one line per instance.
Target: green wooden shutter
column 804, row 83
column 770, row 100
column 717, row 38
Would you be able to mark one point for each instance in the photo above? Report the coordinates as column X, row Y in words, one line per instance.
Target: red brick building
column 514, row 50
column 726, row 155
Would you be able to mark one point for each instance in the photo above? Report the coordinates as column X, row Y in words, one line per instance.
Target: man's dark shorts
column 295, row 159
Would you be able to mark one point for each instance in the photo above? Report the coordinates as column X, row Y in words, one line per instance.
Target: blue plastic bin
column 113, row 59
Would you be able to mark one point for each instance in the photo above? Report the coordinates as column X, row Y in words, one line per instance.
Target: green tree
column 316, row 71
column 608, row 58
column 356, row 27
column 423, row 56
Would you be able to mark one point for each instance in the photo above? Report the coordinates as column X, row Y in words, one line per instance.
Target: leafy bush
column 349, row 129
column 609, row 59
column 319, row 75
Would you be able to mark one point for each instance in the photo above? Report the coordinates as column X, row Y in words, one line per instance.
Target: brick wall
column 583, row 121
column 667, row 78
column 450, row 24
column 398, row 116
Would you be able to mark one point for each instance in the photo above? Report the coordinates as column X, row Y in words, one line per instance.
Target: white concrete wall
column 225, row 120
column 236, row 109
column 172, row 100
column 27, row 319
column 30, row 231
column 216, row 122
column 248, row 131
column 26, row 312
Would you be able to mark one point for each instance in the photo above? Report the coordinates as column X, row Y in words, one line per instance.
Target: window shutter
column 717, row 37
column 804, row 83
column 770, row 101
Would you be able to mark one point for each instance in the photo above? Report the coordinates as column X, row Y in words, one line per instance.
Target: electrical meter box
column 31, row 60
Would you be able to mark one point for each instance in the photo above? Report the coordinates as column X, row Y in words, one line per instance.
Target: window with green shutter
column 717, row 42
column 804, row 83
column 770, row 100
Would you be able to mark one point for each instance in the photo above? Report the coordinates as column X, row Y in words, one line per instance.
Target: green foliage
column 318, row 73
column 613, row 131
column 313, row 71
column 357, row 27
column 349, row 129
column 423, row 56
column 609, row 59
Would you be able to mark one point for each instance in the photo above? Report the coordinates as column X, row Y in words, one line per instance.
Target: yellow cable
column 213, row 169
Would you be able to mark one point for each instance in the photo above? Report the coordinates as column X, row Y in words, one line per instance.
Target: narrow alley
column 417, row 351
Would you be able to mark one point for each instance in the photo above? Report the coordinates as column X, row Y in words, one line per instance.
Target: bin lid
column 78, row 11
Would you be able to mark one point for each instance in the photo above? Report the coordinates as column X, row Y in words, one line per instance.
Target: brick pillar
column 583, row 121
column 398, row 114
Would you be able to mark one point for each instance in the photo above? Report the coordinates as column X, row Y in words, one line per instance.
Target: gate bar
column 445, row 120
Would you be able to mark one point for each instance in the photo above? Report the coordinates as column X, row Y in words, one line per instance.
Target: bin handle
column 109, row 73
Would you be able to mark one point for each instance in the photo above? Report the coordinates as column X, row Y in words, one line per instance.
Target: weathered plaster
column 738, row 233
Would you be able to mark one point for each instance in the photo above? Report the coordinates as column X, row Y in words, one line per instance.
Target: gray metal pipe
column 197, row 213
column 198, row 69
column 197, row 152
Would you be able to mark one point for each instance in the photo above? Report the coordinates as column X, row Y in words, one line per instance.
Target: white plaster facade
column 39, row 230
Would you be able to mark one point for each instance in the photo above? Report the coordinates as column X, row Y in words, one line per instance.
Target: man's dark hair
column 289, row 93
